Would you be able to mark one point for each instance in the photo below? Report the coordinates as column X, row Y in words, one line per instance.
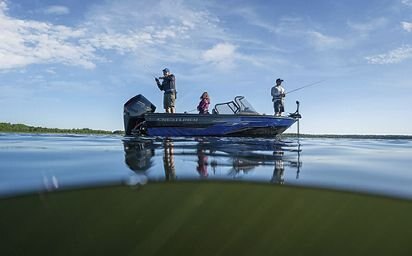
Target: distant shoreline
column 351, row 136
column 22, row 128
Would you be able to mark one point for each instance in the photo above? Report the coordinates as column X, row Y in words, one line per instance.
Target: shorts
column 278, row 106
column 169, row 100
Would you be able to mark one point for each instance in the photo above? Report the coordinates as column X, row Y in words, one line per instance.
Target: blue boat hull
column 161, row 124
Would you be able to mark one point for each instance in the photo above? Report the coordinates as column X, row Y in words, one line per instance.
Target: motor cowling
column 133, row 112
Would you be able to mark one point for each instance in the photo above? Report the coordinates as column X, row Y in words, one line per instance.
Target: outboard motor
column 133, row 112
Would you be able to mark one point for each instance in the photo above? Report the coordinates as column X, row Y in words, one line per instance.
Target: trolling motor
column 296, row 115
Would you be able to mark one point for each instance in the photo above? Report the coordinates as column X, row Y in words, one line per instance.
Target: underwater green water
column 207, row 218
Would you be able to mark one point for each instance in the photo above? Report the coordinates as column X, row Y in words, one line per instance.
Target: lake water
column 110, row 195
column 32, row 163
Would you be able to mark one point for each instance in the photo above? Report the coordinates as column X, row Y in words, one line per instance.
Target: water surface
column 32, row 163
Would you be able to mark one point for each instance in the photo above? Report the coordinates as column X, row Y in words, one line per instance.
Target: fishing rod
column 191, row 110
column 308, row 85
column 147, row 70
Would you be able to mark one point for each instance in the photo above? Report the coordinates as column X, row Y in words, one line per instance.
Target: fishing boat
column 233, row 118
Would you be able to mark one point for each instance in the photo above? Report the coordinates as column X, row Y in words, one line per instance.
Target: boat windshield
column 239, row 106
column 226, row 108
column 244, row 106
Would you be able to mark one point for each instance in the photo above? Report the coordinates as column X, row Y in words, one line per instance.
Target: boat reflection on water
column 263, row 160
column 202, row 162
column 138, row 154
column 169, row 160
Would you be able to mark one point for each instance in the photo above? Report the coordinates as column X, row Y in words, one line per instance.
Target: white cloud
column 123, row 27
column 121, row 43
column 293, row 27
column 168, row 30
column 25, row 42
column 286, row 26
column 407, row 2
column 370, row 25
column 394, row 56
column 322, row 41
column 222, row 55
column 407, row 26
column 56, row 10
column 3, row 6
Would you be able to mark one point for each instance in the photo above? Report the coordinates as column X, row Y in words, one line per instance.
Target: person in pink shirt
column 203, row 106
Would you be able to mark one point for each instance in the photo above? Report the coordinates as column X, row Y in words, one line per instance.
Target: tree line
column 8, row 127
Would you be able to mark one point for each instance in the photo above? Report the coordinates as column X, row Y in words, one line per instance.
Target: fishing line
column 305, row 86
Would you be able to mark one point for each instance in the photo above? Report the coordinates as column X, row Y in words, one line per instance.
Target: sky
column 74, row 63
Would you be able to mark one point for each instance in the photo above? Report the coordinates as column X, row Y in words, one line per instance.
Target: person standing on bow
column 203, row 106
column 278, row 95
column 168, row 85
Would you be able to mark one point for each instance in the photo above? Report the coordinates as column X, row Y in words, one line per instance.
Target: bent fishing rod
column 308, row 85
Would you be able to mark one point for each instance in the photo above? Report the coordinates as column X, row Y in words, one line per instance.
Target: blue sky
column 72, row 64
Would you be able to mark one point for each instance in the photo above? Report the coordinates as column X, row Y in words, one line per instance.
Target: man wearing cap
column 168, row 85
column 278, row 95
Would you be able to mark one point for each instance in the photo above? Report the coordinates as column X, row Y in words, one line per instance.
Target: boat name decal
column 176, row 119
